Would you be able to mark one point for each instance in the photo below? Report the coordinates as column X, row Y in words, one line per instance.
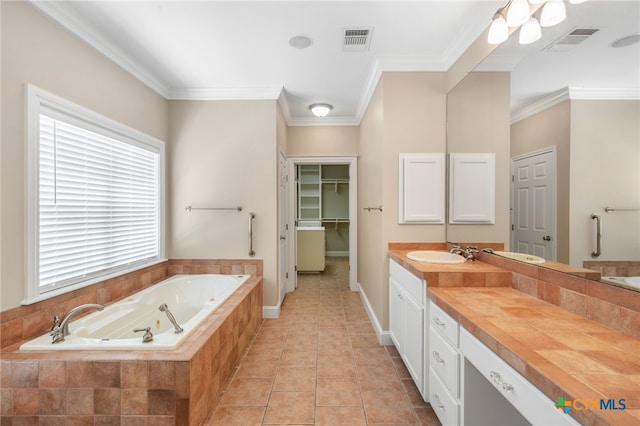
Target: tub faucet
column 164, row 308
column 61, row 328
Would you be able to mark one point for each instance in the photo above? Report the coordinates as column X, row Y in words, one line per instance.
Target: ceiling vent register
column 357, row 39
column 571, row 40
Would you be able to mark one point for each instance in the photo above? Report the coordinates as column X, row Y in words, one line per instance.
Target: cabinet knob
column 497, row 380
column 435, row 399
column 437, row 321
column 437, row 357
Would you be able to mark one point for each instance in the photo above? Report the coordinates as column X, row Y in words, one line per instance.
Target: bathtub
column 191, row 299
column 631, row 282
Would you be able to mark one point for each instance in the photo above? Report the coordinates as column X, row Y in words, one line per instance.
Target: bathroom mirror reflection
column 574, row 101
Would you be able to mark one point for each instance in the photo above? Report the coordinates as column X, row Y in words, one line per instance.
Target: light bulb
column 553, row 13
column 518, row 13
column 576, row 1
column 320, row 110
column 498, row 31
column 530, row 31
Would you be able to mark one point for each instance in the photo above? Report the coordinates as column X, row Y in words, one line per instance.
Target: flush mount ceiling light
column 320, row 110
column 518, row 13
column 626, row 41
column 300, row 41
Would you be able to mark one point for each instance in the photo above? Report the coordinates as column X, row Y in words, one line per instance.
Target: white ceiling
column 240, row 49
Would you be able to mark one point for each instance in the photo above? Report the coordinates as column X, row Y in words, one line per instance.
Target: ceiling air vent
column 571, row 40
column 357, row 39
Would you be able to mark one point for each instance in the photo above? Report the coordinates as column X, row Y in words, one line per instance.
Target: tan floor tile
column 340, row 416
column 427, row 416
column 247, row 392
column 299, row 358
column 337, row 367
column 288, row 384
column 383, row 407
column 245, row 416
column 290, row 408
column 334, row 392
column 413, row 394
column 257, row 366
column 377, row 371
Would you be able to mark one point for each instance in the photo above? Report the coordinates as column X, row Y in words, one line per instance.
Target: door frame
column 352, row 162
column 554, row 204
column 283, row 215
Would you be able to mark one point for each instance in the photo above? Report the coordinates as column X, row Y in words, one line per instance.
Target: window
column 95, row 197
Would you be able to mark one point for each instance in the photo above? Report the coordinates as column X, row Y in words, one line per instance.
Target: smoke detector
column 571, row 40
column 357, row 39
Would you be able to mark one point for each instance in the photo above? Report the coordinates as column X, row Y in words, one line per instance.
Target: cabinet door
column 395, row 313
column 472, row 188
column 414, row 339
column 421, row 188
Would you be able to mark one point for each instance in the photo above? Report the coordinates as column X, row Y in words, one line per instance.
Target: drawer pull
column 497, row 380
column 437, row 321
column 437, row 402
column 438, row 358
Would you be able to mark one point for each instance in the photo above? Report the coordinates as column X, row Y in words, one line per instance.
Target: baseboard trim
column 271, row 312
column 384, row 337
column 337, row 254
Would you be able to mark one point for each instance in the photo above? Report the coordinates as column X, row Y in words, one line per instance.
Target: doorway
column 533, row 203
column 325, row 210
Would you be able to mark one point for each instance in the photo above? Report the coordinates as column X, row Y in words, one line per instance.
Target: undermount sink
column 431, row 256
column 522, row 257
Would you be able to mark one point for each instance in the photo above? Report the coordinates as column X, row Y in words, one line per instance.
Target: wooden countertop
column 563, row 354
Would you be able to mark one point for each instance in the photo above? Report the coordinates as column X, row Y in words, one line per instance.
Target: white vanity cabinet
column 490, row 382
column 407, row 306
column 444, row 366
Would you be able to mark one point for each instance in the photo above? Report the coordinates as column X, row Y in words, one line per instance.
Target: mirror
column 576, row 89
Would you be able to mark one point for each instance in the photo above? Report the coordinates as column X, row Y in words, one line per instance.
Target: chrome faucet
column 164, row 308
column 61, row 328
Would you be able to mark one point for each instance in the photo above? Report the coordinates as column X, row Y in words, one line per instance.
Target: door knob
column 547, row 238
column 283, row 237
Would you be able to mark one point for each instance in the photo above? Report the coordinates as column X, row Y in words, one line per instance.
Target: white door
column 533, row 222
column 283, row 227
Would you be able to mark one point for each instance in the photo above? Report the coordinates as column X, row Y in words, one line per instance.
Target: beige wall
column 550, row 127
column 38, row 51
column 407, row 114
column 224, row 154
column 605, row 172
column 323, row 140
column 478, row 117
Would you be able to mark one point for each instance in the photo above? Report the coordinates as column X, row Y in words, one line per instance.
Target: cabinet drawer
column 534, row 406
column 444, row 360
column 444, row 405
column 412, row 284
column 442, row 322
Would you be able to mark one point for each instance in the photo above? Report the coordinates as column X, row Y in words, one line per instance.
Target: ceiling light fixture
column 530, row 32
column 300, row 41
column 320, row 110
column 553, row 12
column 625, row 41
column 518, row 13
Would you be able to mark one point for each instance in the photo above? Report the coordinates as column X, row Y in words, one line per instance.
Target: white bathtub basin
column 191, row 299
column 632, row 282
column 432, row 256
column 522, row 257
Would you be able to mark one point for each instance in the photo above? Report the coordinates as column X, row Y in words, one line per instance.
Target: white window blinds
column 98, row 203
column 95, row 197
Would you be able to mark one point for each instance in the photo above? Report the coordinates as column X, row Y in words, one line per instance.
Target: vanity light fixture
column 518, row 13
column 320, row 110
column 530, row 32
column 553, row 12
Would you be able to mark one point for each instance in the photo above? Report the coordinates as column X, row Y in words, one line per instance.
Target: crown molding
column 54, row 11
column 573, row 93
column 226, row 94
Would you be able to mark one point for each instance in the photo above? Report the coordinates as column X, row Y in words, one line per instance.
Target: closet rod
column 189, row 208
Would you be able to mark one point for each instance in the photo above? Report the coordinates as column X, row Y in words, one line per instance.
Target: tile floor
column 320, row 363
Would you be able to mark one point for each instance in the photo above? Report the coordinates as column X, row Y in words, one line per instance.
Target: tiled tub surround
column 561, row 353
column 614, row 268
column 132, row 387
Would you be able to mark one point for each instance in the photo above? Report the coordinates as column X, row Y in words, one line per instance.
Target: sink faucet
column 164, row 308
column 61, row 328
column 468, row 253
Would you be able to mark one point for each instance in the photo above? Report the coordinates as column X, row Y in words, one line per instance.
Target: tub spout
column 164, row 308
column 61, row 328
